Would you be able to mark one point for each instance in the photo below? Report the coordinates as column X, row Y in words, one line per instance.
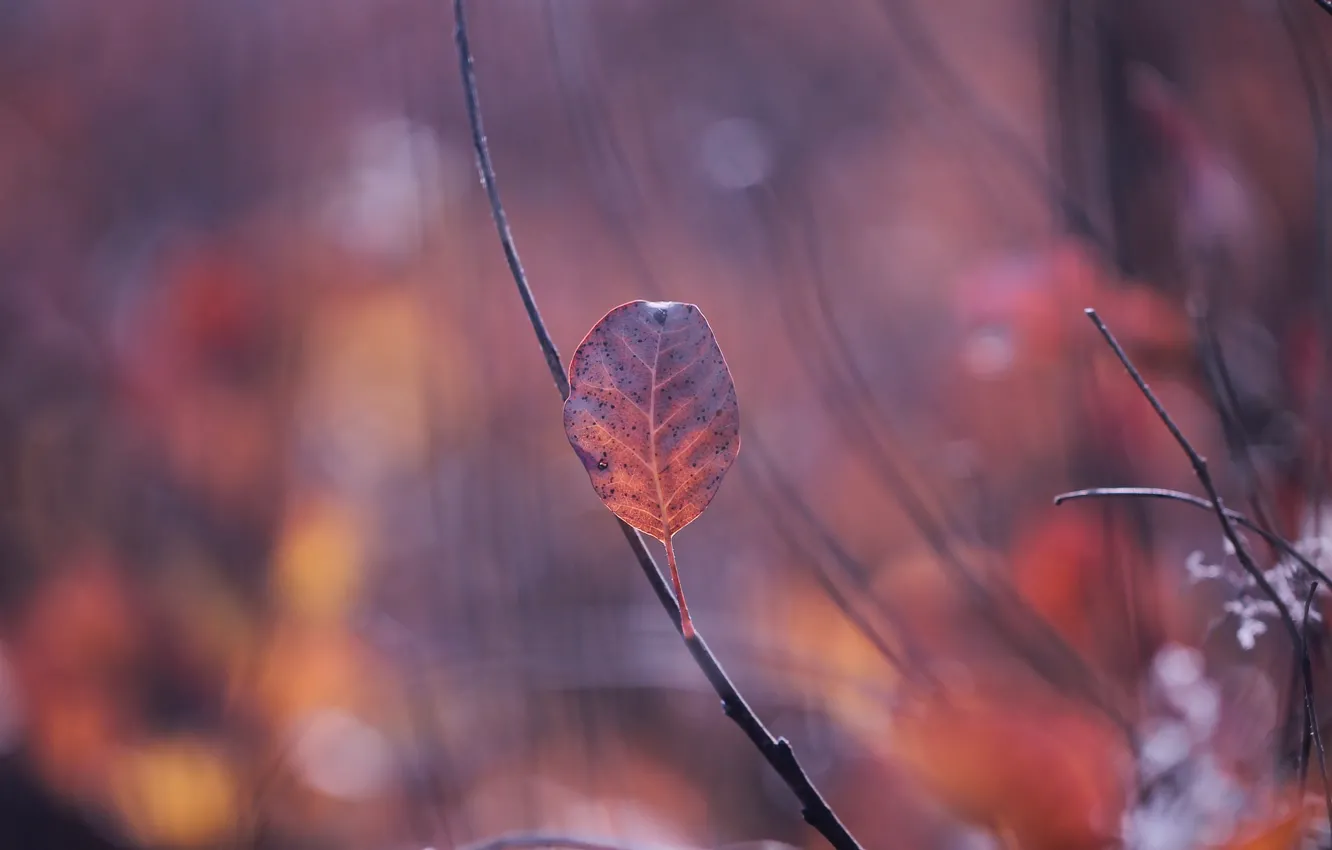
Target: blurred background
column 295, row 554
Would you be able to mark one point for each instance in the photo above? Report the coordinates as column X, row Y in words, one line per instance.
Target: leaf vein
column 630, row 449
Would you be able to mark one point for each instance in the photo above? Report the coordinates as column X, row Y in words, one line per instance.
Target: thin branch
column 776, row 751
column 1302, row 648
column 1310, row 718
column 1309, row 727
column 1310, row 711
column 1228, row 522
column 1236, row 517
column 487, row 169
column 1204, row 477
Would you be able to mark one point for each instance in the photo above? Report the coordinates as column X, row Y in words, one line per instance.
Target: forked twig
column 776, row 751
column 1204, row 477
column 1228, row 521
column 1278, row 542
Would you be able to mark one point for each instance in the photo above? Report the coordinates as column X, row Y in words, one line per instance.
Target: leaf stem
column 776, row 751
column 686, row 624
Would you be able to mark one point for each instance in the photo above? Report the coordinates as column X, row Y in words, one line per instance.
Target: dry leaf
column 652, row 414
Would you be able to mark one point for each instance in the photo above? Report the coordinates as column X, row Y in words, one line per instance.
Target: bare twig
column 1310, row 711
column 487, row 169
column 1228, row 521
column 1236, row 517
column 1204, row 477
column 776, row 751
column 1305, row 670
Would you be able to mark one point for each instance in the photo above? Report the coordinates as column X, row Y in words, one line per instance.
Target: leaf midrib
column 652, row 435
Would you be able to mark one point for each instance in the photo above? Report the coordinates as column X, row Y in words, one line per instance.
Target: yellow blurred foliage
column 180, row 793
column 318, row 566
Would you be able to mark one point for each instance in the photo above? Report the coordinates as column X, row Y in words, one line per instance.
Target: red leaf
column 652, row 414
